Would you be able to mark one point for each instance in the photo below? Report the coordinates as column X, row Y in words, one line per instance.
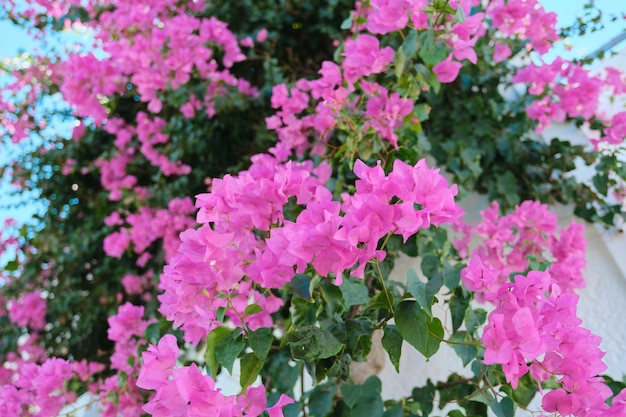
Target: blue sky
column 16, row 40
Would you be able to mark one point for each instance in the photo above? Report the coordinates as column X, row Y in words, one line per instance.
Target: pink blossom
column 447, row 70
column 116, row 243
column 261, row 35
column 29, row 310
column 363, row 57
column 501, row 52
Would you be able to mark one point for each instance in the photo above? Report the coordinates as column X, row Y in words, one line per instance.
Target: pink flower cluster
column 614, row 132
column 383, row 112
column 214, row 258
column 118, row 394
column 572, row 91
column 534, row 327
column 245, row 234
column 187, row 392
column 38, row 390
column 124, row 329
column 149, row 132
column 508, row 241
column 19, row 116
column 535, row 321
column 29, row 311
column 146, row 227
column 31, row 384
column 526, row 19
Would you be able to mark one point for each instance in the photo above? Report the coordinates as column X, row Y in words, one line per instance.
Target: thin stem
column 454, row 342
column 382, row 282
column 441, row 13
column 302, row 391
column 382, row 247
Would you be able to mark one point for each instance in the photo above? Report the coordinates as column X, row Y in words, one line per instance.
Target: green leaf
column 425, row 396
column 11, row 266
column 459, row 16
column 252, row 309
column 396, row 410
column 399, row 62
column 504, row 408
column 310, row 343
column 525, row 391
column 432, row 52
column 481, row 396
column 458, row 305
column 452, row 276
column 321, row 399
column 300, row 286
column 392, row 343
column 431, row 265
column 416, row 328
column 424, row 293
column 261, row 341
column 304, row 311
column 455, row 413
column 410, row 44
column 601, row 182
column 251, row 366
column 466, row 352
column 354, row 293
column 474, row 318
column 153, row 332
column 365, row 399
column 227, row 350
column 212, row 340
column 333, row 296
column 358, row 337
column 347, row 23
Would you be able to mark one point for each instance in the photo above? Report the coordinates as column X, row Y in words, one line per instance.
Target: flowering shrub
column 285, row 268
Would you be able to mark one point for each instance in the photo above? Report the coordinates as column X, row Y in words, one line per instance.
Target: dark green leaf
column 358, row 337
column 260, row 341
column 601, row 182
column 212, row 340
column 304, row 311
column 396, row 410
column 321, row 399
column 452, row 276
column 365, row 399
column 227, row 350
column 251, row 366
column 153, row 332
column 458, row 305
column 310, row 343
column 481, row 396
column 424, row 293
column 334, row 298
column 474, row 318
column 525, row 391
column 417, row 328
column 425, row 396
column 354, row 293
column 392, row 342
column 410, row 44
column 431, row 265
column 300, row 286
column 504, row 408
column 467, row 352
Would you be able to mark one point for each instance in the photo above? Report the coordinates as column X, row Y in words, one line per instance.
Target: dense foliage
column 306, row 134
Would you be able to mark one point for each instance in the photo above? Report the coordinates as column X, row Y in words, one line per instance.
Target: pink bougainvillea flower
column 447, row 70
